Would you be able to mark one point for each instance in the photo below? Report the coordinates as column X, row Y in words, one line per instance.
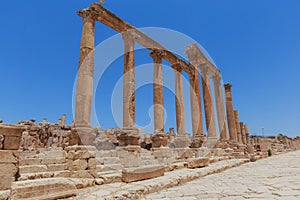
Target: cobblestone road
column 277, row 177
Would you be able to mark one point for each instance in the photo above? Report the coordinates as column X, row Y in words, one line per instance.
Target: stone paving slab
column 277, row 177
column 137, row 190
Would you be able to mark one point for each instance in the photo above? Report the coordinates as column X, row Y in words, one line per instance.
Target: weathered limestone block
column 52, row 188
column 8, row 169
column 92, row 163
column 12, row 136
column 6, row 182
column 4, row 195
column 8, row 156
column 81, row 154
column 83, row 174
column 197, row 162
column 57, row 167
column 32, row 169
column 142, row 173
column 79, row 164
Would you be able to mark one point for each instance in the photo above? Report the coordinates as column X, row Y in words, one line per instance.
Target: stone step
column 111, row 167
column 42, row 189
column 108, row 160
column 42, row 161
column 32, row 169
column 110, row 176
column 149, row 162
column 142, row 173
column 41, row 175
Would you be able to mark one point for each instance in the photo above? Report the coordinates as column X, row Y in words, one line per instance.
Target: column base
column 182, row 142
column 129, row 136
column 86, row 135
column 197, row 141
column 159, row 140
column 210, row 142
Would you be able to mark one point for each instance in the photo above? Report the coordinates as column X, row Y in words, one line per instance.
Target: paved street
column 277, row 177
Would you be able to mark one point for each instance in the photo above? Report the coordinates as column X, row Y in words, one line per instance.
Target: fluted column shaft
column 238, row 128
column 220, row 108
column 129, row 81
column 84, row 90
column 196, row 109
column 247, row 133
column 158, row 92
column 180, row 118
column 208, row 105
column 230, row 113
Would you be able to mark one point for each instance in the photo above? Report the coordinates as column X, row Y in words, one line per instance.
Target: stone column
column 220, row 108
column 179, row 99
column 208, row 105
column 181, row 140
column 247, row 133
column 243, row 133
column 84, row 91
column 196, row 109
column 238, row 128
column 158, row 91
column 230, row 113
column 129, row 81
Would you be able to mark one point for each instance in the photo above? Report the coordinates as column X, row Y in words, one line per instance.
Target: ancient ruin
column 55, row 161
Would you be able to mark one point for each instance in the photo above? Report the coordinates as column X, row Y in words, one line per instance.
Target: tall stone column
column 129, row 81
column 158, row 91
column 238, row 128
column 220, row 108
column 181, row 140
column 230, row 113
column 208, row 105
column 179, row 99
column 247, row 133
column 84, row 91
column 196, row 109
column 244, row 139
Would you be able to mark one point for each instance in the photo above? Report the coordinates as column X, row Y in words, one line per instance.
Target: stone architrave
column 208, row 105
column 238, row 128
column 129, row 81
column 158, row 91
column 84, row 91
column 196, row 109
column 230, row 113
column 220, row 107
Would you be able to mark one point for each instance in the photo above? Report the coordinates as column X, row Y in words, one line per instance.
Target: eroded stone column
column 196, row 109
column 208, row 105
column 84, row 91
column 230, row 114
column 129, row 81
column 244, row 139
column 238, row 128
column 247, row 134
column 85, row 79
column 220, row 108
column 180, row 119
column 158, row 92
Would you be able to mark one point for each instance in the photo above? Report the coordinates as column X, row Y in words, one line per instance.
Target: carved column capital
column 227, row 87
column 216, row 78
column 129, row 35
column 157, row 54
column 88, row 15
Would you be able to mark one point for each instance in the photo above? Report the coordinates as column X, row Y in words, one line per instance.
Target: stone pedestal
column 12, row 136
column 197, row 142
column 159, row 140
column 182, row 141
column 129, row 136
column 86, row 135
column 211, row 142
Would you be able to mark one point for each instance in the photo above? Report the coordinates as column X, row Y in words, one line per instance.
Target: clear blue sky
column 256, row 44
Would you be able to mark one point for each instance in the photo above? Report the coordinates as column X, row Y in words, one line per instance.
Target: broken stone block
column 197, row 162
column 142, row 173
column 76, row 165
column 49, row 188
